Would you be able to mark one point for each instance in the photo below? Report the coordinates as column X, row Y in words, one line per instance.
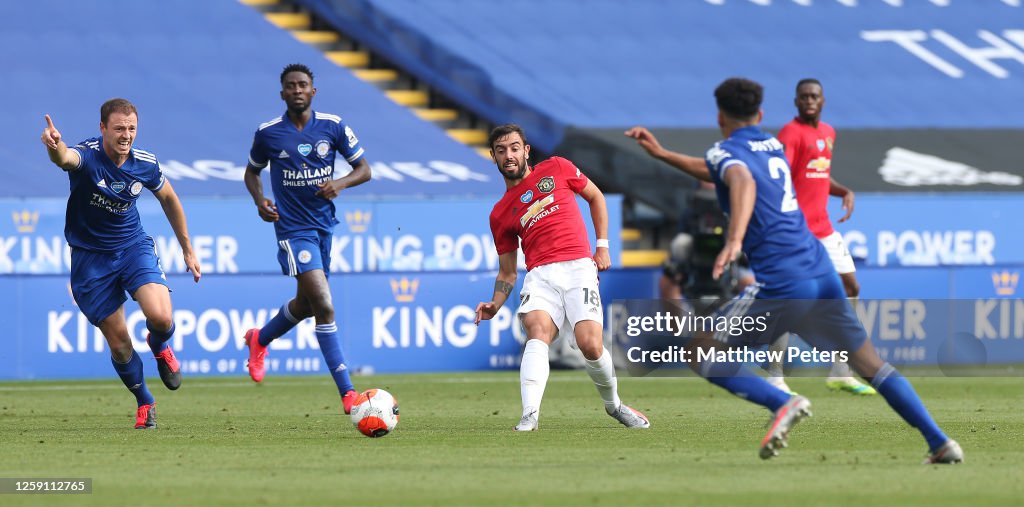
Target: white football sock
column 602, row 372
column 840, row 369
column 533, row 374
column 779, row 345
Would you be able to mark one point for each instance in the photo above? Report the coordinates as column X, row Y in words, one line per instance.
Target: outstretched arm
column 694, row 166
column 59, row 153
column 360, row 174
column 599, row 214
column 742, row 194
column 503, row 286
column 834, row 188
column 176, row 217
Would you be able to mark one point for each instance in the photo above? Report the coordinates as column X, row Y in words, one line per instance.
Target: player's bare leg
column 535, row 368
column 850, row 284
column 155, row 302
column 841, row 377
column 599, row 365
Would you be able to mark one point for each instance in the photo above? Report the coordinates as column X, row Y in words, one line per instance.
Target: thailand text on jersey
column 778, row 243
column 541, row 210
column 301, row 161
column 809, row 151
column 101, row 214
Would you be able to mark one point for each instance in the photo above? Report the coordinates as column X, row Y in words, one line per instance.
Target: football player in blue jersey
column 798, row 289
column 111, row 253
column 299, row 147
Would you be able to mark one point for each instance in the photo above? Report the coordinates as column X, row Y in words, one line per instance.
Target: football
column 375, row 413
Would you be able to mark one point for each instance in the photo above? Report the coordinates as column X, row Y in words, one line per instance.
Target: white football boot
column 785, row 418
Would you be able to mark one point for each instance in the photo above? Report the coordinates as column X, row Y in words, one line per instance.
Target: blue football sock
column 157, row 340
column 896, row 390
column 131, row 375
column 279, row 325
column 327, row 337
column 739, row 380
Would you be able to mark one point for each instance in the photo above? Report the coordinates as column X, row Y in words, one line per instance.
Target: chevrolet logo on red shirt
column 820, row 164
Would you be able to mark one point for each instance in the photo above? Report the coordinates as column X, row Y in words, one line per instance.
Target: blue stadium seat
column 203, row 74
column 611, row 64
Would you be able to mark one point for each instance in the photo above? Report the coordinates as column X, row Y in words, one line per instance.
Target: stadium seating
column 933, row 78
column 204, row 75
column 552, row 64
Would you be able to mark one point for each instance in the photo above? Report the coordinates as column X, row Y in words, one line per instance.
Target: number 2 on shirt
column 780, row 169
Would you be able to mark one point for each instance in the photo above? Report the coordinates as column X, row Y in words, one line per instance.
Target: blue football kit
column 110, row 252
column 301, row 161
column 797, row 284
column 798, row 290
column 777, row 242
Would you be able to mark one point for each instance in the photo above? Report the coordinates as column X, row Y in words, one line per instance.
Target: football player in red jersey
column 560, row 294
column 808, row 144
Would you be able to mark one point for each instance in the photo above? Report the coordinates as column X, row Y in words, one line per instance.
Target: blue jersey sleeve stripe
column 275, row 121
column 727, row 164
column 160, row 185
column 257, row 164
column 355, row 156
column 145, row 158
column 81, row 156
column 331, row 117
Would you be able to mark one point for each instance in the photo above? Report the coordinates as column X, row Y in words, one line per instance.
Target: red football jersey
column 542, row 211
column 809, row 151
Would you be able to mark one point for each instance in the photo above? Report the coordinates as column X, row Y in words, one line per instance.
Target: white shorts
column 567, row 291
column 837, row 251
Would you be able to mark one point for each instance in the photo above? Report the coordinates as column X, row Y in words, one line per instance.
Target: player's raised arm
column 742, row 195
column 694, row 166
column 599, row 214
column 58, row 151
column 503, row 286
column 176, row 217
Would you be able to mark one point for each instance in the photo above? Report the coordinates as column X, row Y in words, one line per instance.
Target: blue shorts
column 305, row 252
column 99, row 280
column 816, row 309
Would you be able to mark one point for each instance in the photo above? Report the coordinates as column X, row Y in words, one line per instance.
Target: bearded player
column 560, row 293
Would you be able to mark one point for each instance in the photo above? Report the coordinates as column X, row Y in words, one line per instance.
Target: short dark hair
column 296, row 67
column 116, row 106
column 807, row 80
column 504, row 130
column 739, row 98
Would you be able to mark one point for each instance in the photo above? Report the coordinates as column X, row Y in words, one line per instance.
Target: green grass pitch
column 230, row 442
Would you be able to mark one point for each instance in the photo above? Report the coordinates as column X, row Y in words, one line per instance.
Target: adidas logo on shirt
column 283, row 154
column 102, row 183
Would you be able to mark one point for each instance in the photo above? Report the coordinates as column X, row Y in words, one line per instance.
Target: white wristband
column 602, row 243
